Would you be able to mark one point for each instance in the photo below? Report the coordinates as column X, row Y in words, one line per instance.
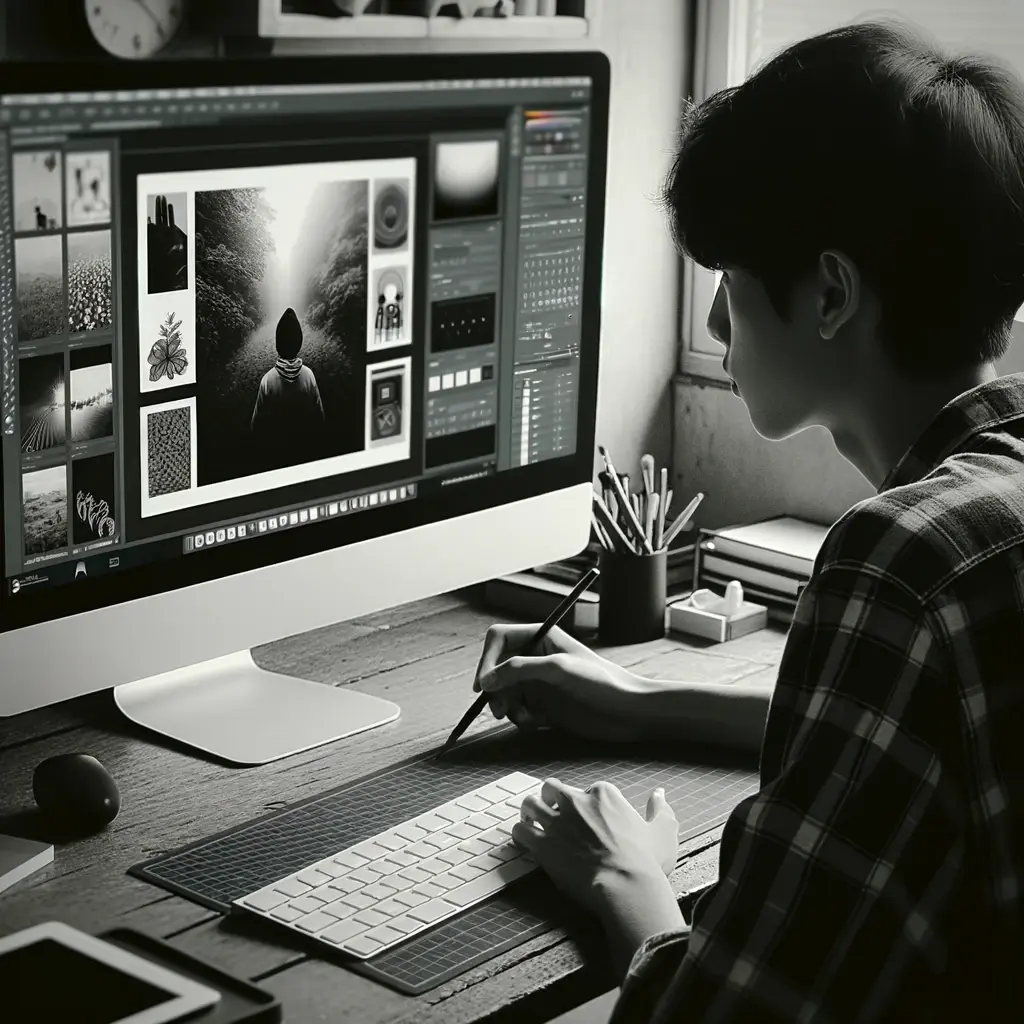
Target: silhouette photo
column 37, row 191
column 281, row 306
column 167, row 243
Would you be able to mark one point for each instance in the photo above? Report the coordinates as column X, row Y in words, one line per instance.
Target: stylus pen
column 564, row 606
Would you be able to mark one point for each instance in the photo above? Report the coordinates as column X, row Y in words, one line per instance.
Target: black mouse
column 76, row 791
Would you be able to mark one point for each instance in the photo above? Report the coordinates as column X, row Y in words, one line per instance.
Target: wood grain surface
column 423, row 656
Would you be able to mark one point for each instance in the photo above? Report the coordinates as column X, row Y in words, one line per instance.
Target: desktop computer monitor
column 284, row 342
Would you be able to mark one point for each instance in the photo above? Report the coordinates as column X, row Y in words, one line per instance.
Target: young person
column 863, row 194
column 288, row 412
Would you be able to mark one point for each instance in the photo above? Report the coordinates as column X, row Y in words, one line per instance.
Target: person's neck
column 892, row 413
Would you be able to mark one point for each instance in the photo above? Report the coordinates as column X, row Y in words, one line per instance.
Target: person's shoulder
column 307, row 376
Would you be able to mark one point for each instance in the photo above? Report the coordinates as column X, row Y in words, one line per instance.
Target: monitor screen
column 306, row 303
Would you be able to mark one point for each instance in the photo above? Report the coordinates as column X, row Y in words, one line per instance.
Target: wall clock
column 134, row 29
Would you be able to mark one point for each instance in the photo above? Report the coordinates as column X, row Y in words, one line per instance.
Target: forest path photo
column 259, row 253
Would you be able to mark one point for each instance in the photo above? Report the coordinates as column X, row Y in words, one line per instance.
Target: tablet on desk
column 53, row 972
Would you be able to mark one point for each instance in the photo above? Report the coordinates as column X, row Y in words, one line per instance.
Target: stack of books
column 533, row 594
column 773, row 560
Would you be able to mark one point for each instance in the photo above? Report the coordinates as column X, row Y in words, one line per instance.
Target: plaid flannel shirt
column 877, row 874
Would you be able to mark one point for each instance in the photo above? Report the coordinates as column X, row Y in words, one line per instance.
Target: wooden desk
column 423, row 656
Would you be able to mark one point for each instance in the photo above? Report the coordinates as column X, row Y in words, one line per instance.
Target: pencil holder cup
column 632, row 592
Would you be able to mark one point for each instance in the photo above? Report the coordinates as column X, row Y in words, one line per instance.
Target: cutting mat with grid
column 219, row 869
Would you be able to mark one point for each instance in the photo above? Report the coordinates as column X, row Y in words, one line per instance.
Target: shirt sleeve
column 835, row 879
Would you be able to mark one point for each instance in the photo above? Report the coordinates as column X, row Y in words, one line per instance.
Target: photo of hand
column 167, row 244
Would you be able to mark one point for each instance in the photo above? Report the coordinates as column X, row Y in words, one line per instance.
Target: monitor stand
column 239, row 712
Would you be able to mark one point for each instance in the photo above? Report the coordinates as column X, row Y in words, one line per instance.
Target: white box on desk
column 684, row 618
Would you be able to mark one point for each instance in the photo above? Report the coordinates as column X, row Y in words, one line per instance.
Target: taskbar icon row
column 296, row 517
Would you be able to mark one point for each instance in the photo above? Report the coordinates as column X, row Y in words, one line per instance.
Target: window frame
column 720, row 58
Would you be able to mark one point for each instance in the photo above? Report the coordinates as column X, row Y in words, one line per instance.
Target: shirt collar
column 981, row 408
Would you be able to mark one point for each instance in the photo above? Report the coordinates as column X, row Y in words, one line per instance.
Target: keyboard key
column 331, row 868
column 391, row 841
column 362, row 946
column 493, row 836
column 370, row 849
column 359, row 900
column 399, row 882
column 473, row 803
column 498, row 813
column 448, row 881
column 454, row 856
column 405, row 924
column 432, row 822
column 350, row 860
column 488, row 862
column 371, row 917
column 342, row 931
column 379, row 891
column 481, row 821
column 292, row 887
column 314, row 923
column 486, row 885
column 412, row 898
column 429, row 890
column 444, row 840
column 462, row 830
column 492, row 793
column 430, row 912
column 469, row 870
column 325, row 893
column 453, row 812
column 415, row 875
column 339, row 911
column 365, row 874
column 387, row 867
column 413, row 833
column 307, row 904
column 434, row 866
column 402, row 858
column 422, row 849
column 474, row 847
column 517, row 782
column 265, row 899
column 344, row 885
column 391, row 908
column 313, row 878
column 385, row 935
column 286, row 913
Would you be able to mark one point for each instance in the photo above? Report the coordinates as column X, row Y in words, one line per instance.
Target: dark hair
column 869, row 139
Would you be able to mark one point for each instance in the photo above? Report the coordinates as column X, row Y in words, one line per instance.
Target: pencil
column 662, row 508
column 681, row 520
column 612, row 528
column 563, row 608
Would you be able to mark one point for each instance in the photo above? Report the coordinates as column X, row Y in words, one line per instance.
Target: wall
column 647, row 46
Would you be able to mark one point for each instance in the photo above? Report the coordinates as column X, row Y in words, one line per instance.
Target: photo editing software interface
column 232, row 312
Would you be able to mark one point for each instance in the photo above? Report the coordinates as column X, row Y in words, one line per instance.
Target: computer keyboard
column 380, row 892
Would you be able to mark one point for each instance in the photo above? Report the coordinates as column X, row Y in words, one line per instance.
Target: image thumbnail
column 466, row 179
column 45, row 509
column 93, row 515
column 39, row 266
column 281, row 297
column 37, row 190
column 89, row 277
column 389, row 323
column 87, row 188
column 167, row 243
column 390, row 216
column 169, row 449
column 166, row 346
column 41, row 393
column 92, row 393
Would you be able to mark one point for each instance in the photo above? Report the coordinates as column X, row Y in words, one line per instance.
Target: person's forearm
column 635, row 910
column 726, row 714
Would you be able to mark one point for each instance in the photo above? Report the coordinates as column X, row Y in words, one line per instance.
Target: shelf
column 518, row 27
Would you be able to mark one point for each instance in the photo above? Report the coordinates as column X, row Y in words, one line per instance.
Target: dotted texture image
column 170, row 451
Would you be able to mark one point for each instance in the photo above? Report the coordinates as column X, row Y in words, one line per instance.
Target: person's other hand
column 593, row 845
column 560, row 684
